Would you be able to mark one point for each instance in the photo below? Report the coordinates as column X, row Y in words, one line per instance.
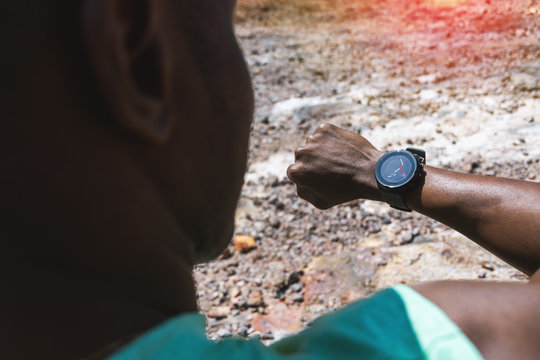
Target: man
column 124, row 134
column 124, row 138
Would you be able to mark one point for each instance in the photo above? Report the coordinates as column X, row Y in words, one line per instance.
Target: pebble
column 222, row 333
column 234, row 292
column 428, row 95
column 255, row 299
column 243, row 243
column 482, row 274
column 219, row 312
column 405, row 237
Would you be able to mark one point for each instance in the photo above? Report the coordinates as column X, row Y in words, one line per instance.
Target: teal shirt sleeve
column 396, row 323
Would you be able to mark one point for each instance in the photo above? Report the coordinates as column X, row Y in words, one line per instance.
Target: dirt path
column 461, row 82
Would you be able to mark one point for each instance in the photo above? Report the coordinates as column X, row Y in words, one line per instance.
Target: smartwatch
column 397, row 172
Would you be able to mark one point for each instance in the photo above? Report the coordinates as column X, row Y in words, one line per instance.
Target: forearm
column 501, row 215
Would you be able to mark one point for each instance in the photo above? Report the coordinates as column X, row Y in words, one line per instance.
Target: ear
column 125, row 47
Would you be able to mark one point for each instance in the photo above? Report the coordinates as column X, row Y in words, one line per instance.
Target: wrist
column 365, row 181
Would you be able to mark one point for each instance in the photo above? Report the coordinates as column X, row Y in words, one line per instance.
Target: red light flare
column 445, row 3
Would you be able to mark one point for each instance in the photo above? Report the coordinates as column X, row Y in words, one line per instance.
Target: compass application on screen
column 396, row 169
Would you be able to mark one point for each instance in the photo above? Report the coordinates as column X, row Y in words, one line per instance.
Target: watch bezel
column 393, row 186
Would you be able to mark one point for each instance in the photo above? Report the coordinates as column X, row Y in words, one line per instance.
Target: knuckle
column 302, row 151
column 320, row 129
column 316, row 137
column 326, row 127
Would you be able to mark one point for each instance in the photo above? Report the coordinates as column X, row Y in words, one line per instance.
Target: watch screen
column 396, row 169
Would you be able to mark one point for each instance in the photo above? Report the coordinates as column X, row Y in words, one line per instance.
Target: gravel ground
column 461, row 82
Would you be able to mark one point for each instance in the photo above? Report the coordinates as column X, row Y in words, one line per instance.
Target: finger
column 302, row 151
column 306, row 194
column 311, row 197
column 313, row 138
column 299, row 173
column 292, row 172
column 324, row 128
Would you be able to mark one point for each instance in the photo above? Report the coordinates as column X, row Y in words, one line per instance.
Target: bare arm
column 502, row 215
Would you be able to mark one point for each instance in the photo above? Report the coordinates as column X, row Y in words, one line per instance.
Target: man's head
column 164, row 81
column 124, row 130
column 172, row 74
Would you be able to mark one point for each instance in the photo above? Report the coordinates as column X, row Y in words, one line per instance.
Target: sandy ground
column 462, row 82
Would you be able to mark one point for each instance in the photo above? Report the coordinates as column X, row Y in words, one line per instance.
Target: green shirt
column 396, row 323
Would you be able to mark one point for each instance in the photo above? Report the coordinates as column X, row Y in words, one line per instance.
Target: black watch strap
column 420, row 154
column 395, row 200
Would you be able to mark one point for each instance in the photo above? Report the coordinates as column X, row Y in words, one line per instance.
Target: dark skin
column 124, row 141
column 502, row 319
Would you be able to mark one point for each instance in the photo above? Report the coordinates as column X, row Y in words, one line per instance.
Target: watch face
column 395, row 169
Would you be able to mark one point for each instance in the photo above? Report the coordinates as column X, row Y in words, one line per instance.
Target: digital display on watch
column 396, row 168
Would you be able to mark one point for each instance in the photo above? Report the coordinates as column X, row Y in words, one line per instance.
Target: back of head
column 124, row 128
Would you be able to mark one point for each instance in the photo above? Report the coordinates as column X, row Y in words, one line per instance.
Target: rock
column 295, row 298
column 296, row 287
column 255, row 299
column 334, row 276
column 351, row 296
column 294, row 277
column 219, row 312
column 243, row 331
column 226, row 254
column 488, row 266
column 234, row 292
column 405, row 237
column 428, row 95
column 422, row 239
column 524, row 81
column 243, row 243
column 427, row 78
column 280, row 321
column 223, row 333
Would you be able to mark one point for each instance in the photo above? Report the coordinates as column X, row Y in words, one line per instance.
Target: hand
column 335, row 166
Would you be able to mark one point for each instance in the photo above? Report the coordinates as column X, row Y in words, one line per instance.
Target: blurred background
column 459, row 78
